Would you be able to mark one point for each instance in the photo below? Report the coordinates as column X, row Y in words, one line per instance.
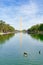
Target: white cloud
column 28, row 13
column 29, row 9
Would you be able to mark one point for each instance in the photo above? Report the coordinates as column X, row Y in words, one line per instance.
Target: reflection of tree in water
column 37, row 36
column 3, row 38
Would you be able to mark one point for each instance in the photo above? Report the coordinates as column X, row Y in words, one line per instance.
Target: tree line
column 36, row 29
column 5, row 27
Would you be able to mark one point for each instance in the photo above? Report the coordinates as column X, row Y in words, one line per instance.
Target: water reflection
column 19, row 46
column 37, row 36
column 3, row 38
column 20, row 39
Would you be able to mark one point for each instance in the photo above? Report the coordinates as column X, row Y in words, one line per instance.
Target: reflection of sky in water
column 12, row 51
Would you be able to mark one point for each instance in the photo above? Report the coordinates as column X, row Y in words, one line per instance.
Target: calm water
column 12, row 48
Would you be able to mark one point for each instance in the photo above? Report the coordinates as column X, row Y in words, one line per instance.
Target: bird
column 39, row 52
column 25, row 53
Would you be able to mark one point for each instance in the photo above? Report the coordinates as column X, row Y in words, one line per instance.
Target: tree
column 5, row 27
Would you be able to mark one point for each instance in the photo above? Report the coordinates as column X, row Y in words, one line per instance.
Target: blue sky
column 30, row 12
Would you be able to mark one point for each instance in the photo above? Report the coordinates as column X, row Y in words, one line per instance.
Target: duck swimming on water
column 39, row 52
column 25, row 53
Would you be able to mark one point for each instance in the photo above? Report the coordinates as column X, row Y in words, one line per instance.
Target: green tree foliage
column 5, row 27
column 38, row 27
column 41, row 27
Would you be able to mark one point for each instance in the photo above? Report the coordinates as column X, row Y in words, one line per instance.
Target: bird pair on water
column 25, row 53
